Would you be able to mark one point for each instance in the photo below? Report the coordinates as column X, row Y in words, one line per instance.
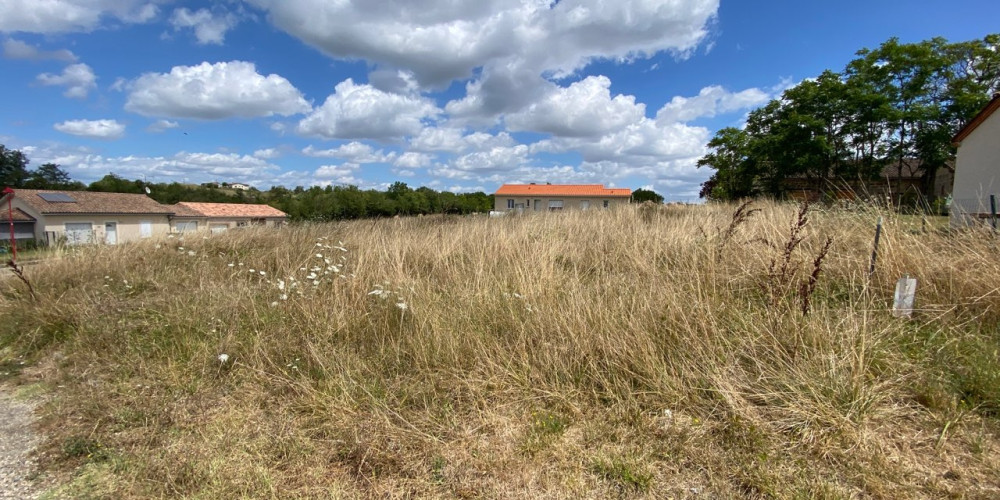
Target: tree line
column 313, row 203
column 900, row 103
column 304, row 204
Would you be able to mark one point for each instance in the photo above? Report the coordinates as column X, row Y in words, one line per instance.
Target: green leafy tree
column 51, row 176
column 891, row 105
column 13, row 168
column 734, row 175
column 641, row 195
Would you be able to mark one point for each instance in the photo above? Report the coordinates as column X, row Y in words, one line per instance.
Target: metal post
column 993, row 211
column 878, row 235
column 10, row 214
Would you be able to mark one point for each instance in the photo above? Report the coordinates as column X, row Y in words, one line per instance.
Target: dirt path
column 17, row 439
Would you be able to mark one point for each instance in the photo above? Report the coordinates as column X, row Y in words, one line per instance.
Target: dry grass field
column 647, row 352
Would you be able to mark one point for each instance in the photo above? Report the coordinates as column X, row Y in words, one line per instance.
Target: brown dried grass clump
column 595, row 354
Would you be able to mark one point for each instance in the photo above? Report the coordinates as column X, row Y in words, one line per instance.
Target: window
column 145, row 229
column 241, row 223
column 585, row 204
column 538, row 204
column 187, row 226
column 555, row 205
column 605, row 203
column 510, row 204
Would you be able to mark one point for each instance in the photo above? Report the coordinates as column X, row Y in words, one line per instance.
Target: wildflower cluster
column 515, row 295
column 383, row 293
column 327, row 266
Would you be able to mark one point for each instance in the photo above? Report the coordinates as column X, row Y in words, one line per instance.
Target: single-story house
column 218, row 217
column 81, row 217
column 977, row 166
column 239, row 186
column 555, row 197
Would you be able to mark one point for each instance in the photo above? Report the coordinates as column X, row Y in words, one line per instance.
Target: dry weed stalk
column 19, row 273
column 808, row 287
column 740, row 216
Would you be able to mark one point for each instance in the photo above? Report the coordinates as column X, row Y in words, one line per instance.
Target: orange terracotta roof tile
column 232, row 209
column 562, row 190
column 180, row 210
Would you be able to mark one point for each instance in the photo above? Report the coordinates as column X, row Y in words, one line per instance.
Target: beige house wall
column 238, row 222
column 977, row 172
column 128, row 226
column 200, row 221
column 569, row 202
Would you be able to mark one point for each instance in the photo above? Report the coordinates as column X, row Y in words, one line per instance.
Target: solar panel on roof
column 56, row 197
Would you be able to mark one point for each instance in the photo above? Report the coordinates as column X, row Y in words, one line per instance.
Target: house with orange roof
column 977, row 167
column 557, row 197
column 218, row 217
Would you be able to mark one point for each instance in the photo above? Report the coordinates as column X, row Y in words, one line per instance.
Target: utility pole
column 9, row 193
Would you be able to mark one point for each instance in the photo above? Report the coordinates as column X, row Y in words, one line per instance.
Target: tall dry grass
column 649, row 352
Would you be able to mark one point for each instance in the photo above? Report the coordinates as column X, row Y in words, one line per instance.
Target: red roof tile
column 561, row 190
column 87, row 202
column 232, row 210
column 19, row 216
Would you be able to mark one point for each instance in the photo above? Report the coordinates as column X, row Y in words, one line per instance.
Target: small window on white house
column 605, row 203
column 145, row 229
column 187, row 226
column 555, row 205
column 510, row 204
column 585, row 204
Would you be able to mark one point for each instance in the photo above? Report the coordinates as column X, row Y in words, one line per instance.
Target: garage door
column 183, row 227
column 79, row 233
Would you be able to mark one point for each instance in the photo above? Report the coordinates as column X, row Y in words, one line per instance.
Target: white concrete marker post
column 906, row 292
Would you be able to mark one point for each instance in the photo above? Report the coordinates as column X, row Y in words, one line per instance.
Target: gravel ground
column 16, row 441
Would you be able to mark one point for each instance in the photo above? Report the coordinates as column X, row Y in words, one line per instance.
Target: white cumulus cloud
column 60, row 16
column 354, row 152
column 161, row 126
column 78, row 79
column 209, row 27
column 455, row 140
column 584, row 109
column 213, row 92
column 364, row 112
column 94, row 129
column 444, row 40
column 266, row 154
column 411, row 159
column 16, row 49
column 710, row 102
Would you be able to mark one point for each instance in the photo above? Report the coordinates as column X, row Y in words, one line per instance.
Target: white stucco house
column 977, row 166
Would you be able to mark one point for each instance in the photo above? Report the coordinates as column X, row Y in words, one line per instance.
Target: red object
column 10, row 214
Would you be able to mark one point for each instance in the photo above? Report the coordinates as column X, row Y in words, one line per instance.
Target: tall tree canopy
column 13, row 167
column 896, row 102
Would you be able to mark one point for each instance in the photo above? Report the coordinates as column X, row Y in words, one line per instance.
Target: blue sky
column 453, row 94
